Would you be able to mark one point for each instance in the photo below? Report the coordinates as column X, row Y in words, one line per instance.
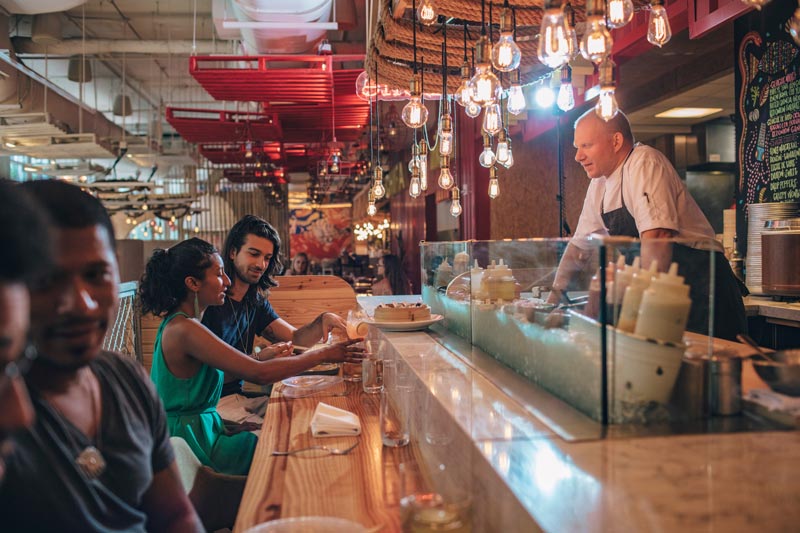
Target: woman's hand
column 332, row 321
column 341, row 352
column 279, row 349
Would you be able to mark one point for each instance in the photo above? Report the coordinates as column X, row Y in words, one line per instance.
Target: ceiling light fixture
column 620, row 12
column 455, row 203
column 426, row 13
column 658, row 30
column 553, row 49
column 607, row 107
column 597, row 42
column 487, row 157
column 688, row 112
column 494, row 185
column 485, row 85
column 566, row 93
column 414, row 113
column 515, row 103
column 446, row 179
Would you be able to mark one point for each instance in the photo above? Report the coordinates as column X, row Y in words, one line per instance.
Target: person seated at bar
column 26, row 246
column 636, row 192
column 251, row 256
column 392, row 278
column 189, row 360
column 98, row 457
column 299, row 266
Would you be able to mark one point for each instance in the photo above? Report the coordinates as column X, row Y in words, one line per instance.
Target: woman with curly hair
column 189, row 360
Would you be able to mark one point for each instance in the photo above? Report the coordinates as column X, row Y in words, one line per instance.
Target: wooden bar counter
column 482, row 429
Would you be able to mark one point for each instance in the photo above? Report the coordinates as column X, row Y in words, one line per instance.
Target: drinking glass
column 395, row 411
column 425, row 510
column 372, row 365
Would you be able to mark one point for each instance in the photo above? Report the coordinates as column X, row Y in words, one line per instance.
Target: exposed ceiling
column 150, row 45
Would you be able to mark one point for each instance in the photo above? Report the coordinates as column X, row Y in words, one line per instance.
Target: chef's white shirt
column 654, row 195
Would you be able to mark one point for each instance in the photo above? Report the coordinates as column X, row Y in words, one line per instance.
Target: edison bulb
column 335, row 164
column 553, row 49
column 544, row 97
column 423, row 172
column 455, row 205
column 445, row 143
column 415, row 187
column 414, row 162
column 566, row 97
column 494, row 188
column 509, row 162
column 464, row 93
column 606, row 107
column 506, row 55
column 485, row 85
column 516, row 100
column 596, row 43
column 414, row 114
column 620, row 12
column 371, row 209
column 572, row 41
column 378, row 190
column 658, row 31
column 472, row 110
column 426, row 12
column 446, row 180
column 366, row 89
column 487, row 157
column 248, row 149
column 502, row 151
column 492, row 121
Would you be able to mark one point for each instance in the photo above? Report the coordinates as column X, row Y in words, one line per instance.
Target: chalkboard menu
column 768, row 108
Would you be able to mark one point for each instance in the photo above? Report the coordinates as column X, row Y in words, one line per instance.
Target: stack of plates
column 728, row 229
column 757, row 216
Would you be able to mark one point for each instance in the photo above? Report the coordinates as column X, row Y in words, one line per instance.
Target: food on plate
column 402, row 312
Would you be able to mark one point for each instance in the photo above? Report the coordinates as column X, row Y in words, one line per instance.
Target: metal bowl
column 782, row 376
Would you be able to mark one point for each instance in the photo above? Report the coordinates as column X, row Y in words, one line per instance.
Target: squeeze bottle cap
column 444, row 265
column 671, row 280
column 476, row 267
column 502, row 269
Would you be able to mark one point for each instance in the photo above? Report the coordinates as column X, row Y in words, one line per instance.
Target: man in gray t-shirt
column 98, row 456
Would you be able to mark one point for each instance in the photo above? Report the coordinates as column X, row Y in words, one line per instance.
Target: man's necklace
column 241, row 332
column 90, row 460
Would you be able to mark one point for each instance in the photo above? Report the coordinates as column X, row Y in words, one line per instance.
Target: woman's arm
column 186, row 341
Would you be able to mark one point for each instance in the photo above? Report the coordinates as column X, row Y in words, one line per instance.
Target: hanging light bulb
column 415, row 187
column 494, row 185
column 371, row 209
column 502, row 147
column 463, row 94
column 378, row 190
column 566, row 94
column 658, row 31
column 606, row 107
column 572, row 35
column 506, row 55
column 414, row 114
column 455, row 204
column 509, row 162
column 516, row 98
column 596, row 43
column 487, row 157
column 366, row 89
column 426, row 13
column 794, row 26
column 472, row 110
column 553, row 49
column 334, row 164
column 620, row 12
column 423, row 165
column 446, row 179
column 485, row 85
column 414, row 161
column 446, row 135
column 492, row 121
column 248, row 149
column 544, row 96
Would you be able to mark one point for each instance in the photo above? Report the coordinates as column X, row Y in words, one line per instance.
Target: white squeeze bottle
column 633, row 297
column 615, row 289
column 506, row 284
column 665, row 308
column 475, row 280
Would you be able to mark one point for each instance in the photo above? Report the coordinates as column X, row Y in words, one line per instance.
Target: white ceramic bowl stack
column 757, row 216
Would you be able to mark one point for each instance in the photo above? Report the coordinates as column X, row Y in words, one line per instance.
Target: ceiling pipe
column 107, row 47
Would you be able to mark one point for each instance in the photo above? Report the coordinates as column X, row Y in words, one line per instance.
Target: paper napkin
column 330, row 421
column 774, row 401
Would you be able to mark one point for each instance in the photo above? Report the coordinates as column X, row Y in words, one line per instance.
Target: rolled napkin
column 774, row 401
column 330, row 421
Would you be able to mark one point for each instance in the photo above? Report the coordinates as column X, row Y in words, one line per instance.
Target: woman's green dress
column 191, row 406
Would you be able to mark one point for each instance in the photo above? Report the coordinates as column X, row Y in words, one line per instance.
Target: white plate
column 415, row 325
column 309, row 524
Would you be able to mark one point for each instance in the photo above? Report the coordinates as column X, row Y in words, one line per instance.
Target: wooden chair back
column 300, row 299
column 124, row 333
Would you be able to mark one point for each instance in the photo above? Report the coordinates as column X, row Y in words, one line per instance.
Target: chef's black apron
column 694, row 266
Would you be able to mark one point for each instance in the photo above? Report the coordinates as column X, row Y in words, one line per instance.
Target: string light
column 606, row 107
column 516, row 98
column 544, row 96
column 596, row 43
column 658, row 30
column 487, row 157
column 620, row 12
column 494, row 185
column 506, row 55
column 455, row 204
column 446, row 179
column 553, row 49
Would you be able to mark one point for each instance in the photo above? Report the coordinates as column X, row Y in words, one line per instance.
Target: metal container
column 780, row 250
column 689, row 396
column 725, row 384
